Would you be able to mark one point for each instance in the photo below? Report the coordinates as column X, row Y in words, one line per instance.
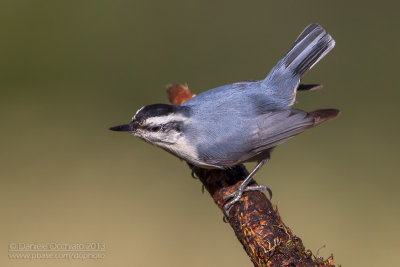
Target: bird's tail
column 309, row 48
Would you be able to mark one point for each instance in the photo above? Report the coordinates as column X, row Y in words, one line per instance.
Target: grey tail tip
column 309, row 48
column 322, row 115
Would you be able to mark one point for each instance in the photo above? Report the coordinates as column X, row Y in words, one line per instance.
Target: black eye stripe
column 173, row 125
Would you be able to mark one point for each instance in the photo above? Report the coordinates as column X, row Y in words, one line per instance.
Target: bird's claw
column 194, row 169
column 261, row 188
column 238, row 194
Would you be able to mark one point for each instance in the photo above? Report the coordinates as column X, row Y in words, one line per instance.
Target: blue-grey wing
column 275, row 128
column 245, row 139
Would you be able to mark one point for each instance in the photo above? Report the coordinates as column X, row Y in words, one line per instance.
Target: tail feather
column 309, row 48
column 303, row 47
column 322, row 115
column 306, row 32
column 323, row 47
column 309, row 87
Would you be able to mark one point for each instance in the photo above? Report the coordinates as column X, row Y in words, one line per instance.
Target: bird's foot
column 238, row 194
column 194, row 169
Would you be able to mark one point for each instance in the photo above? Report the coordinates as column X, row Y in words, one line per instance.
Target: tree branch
column 256, row 223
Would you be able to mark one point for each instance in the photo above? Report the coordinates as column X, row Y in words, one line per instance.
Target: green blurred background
column 71, row 69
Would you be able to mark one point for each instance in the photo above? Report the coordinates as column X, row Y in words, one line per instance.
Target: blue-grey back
column 234, row 123
column 249, row 95
column 240, row 120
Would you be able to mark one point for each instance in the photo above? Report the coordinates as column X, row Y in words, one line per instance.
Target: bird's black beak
column 123, row 128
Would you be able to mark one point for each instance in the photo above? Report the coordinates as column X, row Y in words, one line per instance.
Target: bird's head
column 159, row 124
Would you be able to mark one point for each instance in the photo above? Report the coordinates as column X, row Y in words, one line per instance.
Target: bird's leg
column 194, row 168
column 243, row 188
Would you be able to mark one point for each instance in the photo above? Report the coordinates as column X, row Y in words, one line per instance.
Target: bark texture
column 255, row 221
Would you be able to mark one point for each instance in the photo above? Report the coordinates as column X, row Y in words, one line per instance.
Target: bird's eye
column 155, row 128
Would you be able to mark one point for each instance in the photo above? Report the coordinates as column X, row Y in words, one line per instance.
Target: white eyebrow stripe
column 134, row 116
column 165, row 119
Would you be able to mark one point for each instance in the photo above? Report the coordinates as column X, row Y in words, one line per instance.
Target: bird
column 239, row 122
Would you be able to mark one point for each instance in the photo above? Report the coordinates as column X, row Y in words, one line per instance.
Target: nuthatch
column 239, row 122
